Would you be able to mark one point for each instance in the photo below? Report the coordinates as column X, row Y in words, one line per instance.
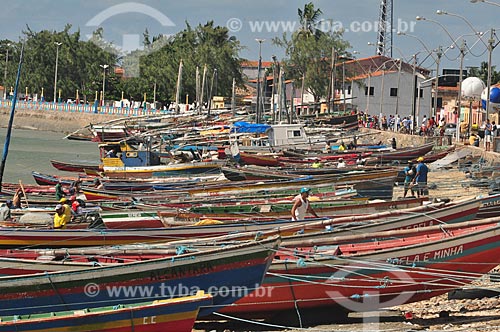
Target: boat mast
column 11, row 119
column 233, row 97
column 178, row 89
column 203, row 86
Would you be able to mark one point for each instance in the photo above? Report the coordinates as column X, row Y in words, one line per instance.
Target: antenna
column 385, row 24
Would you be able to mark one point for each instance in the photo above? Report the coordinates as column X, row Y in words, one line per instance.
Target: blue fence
column 78, row 108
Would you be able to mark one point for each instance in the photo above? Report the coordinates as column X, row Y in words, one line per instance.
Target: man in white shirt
column 302, row 205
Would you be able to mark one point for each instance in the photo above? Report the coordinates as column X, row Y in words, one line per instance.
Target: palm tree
column 308, row 19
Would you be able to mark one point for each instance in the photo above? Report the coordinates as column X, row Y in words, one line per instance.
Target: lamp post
column 437, row 59
column 476, row 32
column 486, row 1
column 55, row 74
column 103, row 81
column 257, row 110
column 5, row 72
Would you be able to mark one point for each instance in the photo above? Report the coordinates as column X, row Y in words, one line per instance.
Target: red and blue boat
column 163, row 315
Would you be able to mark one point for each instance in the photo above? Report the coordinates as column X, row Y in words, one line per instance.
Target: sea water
column 32, row 150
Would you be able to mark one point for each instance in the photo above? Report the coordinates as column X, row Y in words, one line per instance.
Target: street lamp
column 55, row 74
column 421, row 18
column 476, row 32
column 486, row 1
column 400, row 33
column 5, row 72
column 257, row 110
column 103, row 80
column 437, row 59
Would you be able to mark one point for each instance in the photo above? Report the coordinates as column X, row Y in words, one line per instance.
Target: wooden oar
column 24, row 194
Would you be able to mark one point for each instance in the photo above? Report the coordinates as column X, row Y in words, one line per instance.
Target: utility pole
column 491, row 41
column 233, row 97
column 459, row 106
column 439, row 54
column 332, row 82
column 259, row 68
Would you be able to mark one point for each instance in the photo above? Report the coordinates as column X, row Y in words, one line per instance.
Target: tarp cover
column 246, row 127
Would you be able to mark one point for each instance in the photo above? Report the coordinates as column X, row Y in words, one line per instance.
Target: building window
column 372, row 90
column 348, row 89
column 394, row 92
column 421, row 94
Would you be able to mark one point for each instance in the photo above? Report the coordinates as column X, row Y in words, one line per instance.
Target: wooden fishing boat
column 177, row 314
column 249, row 186
column 268, row 212
column 71, row 238
column 122, row 172
column 400, row 154
column 370, row 276
column 51, row 180
column 73, row 167
column 257, row 159
column 226, row 267
column 131, row 219
column 490, row 206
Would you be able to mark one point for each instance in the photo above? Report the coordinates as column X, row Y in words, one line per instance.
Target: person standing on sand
column 302, row 205
column 488, row 131
column 409, row 175
column 420, row 180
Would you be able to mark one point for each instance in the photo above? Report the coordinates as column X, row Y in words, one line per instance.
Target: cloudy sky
column 124, row 22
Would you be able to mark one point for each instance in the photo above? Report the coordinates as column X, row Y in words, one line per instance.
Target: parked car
column 450, row 129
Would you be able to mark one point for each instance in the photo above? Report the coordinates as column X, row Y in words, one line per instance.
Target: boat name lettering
column 149, row 320
column 181, row 271
column 422, row 224
column 438, row 254
column 492, row 203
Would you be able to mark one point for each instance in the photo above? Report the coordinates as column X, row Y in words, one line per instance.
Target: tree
column 308, row 58
column 482, row 73
column 308, row 19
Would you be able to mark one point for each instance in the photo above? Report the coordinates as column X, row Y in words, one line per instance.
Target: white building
column 383, row 85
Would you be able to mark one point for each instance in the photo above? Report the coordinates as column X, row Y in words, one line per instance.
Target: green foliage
column 482, row 73
column 79, row 63
column 308, row 52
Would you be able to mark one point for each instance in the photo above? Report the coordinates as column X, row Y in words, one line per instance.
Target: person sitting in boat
column 59, row 190
column 342, row 147
column 76, row 206
column 16, row 200
column 98, row 184
column 341, row 163
column 317, row 164
column 111, row 154
column 327, row 148
column 301, row 205
column 62, row 216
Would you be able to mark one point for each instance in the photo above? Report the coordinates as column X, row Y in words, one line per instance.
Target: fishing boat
column 404, row 154
column 124, row 172
column 178, row 314
column 258, row 159
column 384, row 220
column 401, row 268
column 252, row 212
column 74, row 167
column 220, row 269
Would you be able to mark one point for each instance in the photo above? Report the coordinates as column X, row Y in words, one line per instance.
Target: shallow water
column 32, row 150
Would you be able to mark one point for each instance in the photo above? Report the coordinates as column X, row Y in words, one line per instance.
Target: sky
column 248, row 20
